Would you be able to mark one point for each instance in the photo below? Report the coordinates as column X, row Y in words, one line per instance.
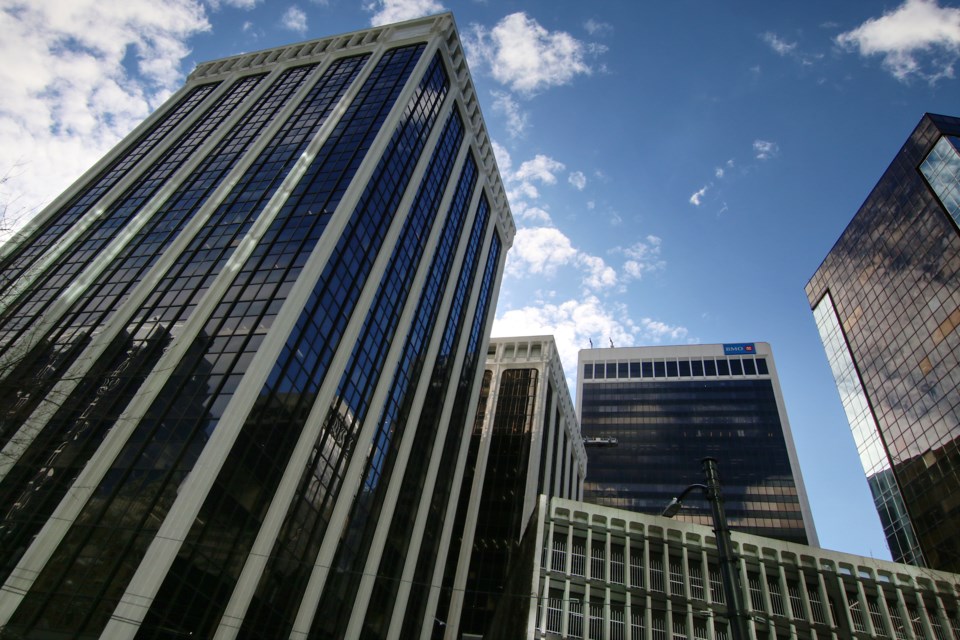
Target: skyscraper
column 240, row 353
column 649, row 415
column 886, row 300
column 526, row 442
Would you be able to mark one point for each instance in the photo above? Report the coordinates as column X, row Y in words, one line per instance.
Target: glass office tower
column 886, row 300
column 526, row 442
column 241, row 353
column 649, row 415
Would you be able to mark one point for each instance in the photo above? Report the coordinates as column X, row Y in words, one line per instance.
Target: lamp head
column 672, row 508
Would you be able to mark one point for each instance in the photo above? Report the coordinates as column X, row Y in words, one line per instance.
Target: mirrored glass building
column 649, row 415
column 241, row 355
column 886, row 300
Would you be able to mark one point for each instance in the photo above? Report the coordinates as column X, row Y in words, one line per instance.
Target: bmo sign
column 742, row 349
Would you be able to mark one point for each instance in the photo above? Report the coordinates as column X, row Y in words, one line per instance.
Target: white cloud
column 236, row 4
column 294, row 19
column 578, row 180
column 574, row 323
column 542, row 169
column 915, row 30
column 525, row 56
column 697, row 197
column 598, row 274
column 643, row 257
column 530, row 213
column 68, row 96
column 389, row 11
column 504, row 162
column 517, row 119
column 779, row 45
column 764, row 149
column 656, row 331
column 539, row 250
column 718, row 172
column 542, row 251
column 596, row 28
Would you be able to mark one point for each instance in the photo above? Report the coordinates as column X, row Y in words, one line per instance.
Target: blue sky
column 677, row 170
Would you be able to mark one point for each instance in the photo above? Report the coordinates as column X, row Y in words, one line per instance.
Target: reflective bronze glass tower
column 887, row 303
column 649, row 415
column 239, row 355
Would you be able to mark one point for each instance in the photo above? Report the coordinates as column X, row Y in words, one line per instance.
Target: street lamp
column 728, row 563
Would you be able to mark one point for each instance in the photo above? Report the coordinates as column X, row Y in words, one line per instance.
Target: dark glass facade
column 525, row 441
column 887, row 303
column 650, row 415
column 242, row 351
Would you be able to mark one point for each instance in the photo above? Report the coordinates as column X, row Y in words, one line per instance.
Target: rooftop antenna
column 611, row 342
column 591, row 342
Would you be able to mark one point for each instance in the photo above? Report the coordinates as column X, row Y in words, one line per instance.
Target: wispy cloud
column 697, row 196
column 517, row 118
column 597, row 28
column 643, row 257
column 237, row 4
column 389, row 11
column 918, row 38
column 294, row 19
column 765, row 150
column 525, row 56
column 68, row 96
column 779, row 45
column 787, row 49
column 578, row 180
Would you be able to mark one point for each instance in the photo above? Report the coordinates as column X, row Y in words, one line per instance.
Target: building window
column 696, row 367
column 776, row 598
column 796, row 600
column 559, row 552
column 942, row 171
column 856, row 613
column 617, row 622
column 656, row 574
column 696, row 582
column 716, row 586
column 616, row 565
column 636, row 568
column 588, row 371
column 676, row 578
column 577, row 558
column 596, row 620
column 636, row 623
column 597, row 562
column 575, row 619
column 554, row 614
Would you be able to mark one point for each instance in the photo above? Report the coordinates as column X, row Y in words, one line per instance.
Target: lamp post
column 728, row 563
